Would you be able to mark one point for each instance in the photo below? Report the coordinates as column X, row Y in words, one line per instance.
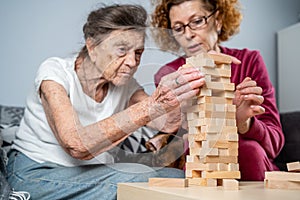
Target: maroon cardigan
column 266, row 128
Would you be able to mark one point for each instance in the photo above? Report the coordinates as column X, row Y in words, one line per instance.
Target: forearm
column 106, row 134
column 269, row 135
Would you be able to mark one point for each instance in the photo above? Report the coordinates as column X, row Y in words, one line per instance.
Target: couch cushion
column 10, row 118
column 291, row 150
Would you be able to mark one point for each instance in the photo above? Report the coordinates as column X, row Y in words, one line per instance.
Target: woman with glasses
column 196, row 26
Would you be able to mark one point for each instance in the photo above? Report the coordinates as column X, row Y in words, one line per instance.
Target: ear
column 91, row 49
column 218, row 21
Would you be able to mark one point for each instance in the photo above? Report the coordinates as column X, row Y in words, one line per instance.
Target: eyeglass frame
column 188, row 24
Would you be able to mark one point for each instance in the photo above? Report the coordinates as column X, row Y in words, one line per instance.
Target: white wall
column 288, row 75
column 33, row 30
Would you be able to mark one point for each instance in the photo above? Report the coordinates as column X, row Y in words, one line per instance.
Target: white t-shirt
column 35, row 138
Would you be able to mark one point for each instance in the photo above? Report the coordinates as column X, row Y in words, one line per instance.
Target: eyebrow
column 127, row 44
column 190, row 18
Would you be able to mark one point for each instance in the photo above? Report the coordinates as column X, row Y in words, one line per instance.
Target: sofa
column 10, row 117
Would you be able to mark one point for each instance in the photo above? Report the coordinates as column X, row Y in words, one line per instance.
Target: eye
column 198, row 22
column 121, row 51
column 178, row 28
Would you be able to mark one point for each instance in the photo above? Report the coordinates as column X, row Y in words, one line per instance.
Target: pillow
column 290, row 152
column 135, row 143
column 10, row 118
column 11, row 115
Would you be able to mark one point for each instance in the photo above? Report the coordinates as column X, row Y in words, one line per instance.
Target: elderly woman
column 195, row 26
column 82, row 107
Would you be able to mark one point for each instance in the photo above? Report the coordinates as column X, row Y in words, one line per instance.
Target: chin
column 120, row 82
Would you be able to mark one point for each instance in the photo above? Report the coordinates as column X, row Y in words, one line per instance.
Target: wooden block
column 193, row 130
column 202, row 182
column 197, row 137
column 204, row 151
column 206, row 92
column 225, row 80
column 186, row 65
column 195, row 151
column 230, row 108
column 201, row 166
column 195, row 144
column 220, row 144
column 209, row 152
column 233, row 167
column 196, row 166
column 192, row 115
column 222, row 174
column 228, row 152
column 280, row 175
column 219, row 159
column 220, row 93
column 215, row 100
column 200, row 60
column 197, row 181
column 220, row 59
column 224, row 66
column 213, row 114
column 224, row 152
column 192, row 159
column 168, row 182
column 216, row 72
column 219, row 122
column 220, row 86
column 281, row 184
column 212, row 159
column 222, row 167
column 201, row 133
column 188, row 173
column 230, row 184
column 293, row 166
column 232, row 137
column 201, row 107
column 211, row 182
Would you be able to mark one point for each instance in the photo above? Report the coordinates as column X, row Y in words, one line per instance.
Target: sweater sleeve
column 265, row 128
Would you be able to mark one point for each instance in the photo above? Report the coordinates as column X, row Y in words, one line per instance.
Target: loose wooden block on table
column 168, row 182
column 282, row 180
column 280, row 175
column 282, row 184
column 293, row 166
column 230, row 184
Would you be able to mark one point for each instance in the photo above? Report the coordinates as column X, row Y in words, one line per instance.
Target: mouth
column 125, row 74
column 195, row 48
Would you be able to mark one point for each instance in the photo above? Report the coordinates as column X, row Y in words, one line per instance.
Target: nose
column 188, row 33
column 130, row 60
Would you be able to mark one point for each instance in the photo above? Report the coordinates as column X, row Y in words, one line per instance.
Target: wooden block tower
column 212, row 131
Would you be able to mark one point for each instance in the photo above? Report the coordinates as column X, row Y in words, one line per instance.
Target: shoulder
column 60, row 70
column 58, row 62
column 242, row 54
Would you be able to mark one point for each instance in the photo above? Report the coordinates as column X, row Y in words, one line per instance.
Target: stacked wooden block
column 212, row 131
column 284, row 180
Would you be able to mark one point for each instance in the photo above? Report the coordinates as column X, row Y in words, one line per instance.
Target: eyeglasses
column 195, row 24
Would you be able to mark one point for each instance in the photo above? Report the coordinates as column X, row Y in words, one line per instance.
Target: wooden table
column 247, row 191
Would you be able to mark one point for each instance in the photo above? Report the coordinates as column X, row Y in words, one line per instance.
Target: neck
column 91, row 80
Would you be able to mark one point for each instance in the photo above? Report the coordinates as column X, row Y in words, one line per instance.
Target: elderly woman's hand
column 171, row 94
column 248, row 100
column 177, row 87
